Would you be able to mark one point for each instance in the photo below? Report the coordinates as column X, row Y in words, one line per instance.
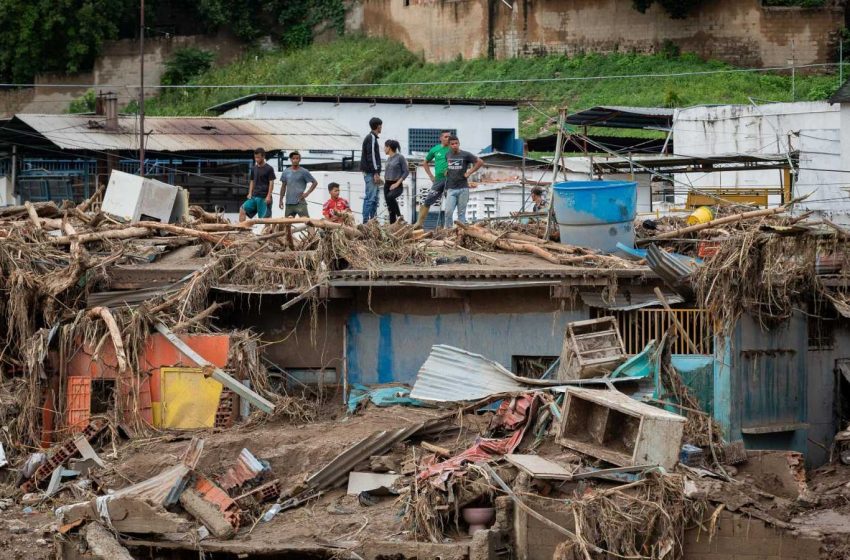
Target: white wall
column 6, row 196
column 815, row 129
column 474, row 124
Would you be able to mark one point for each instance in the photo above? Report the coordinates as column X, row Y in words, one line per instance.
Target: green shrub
column 185, row 65
column 83, row 104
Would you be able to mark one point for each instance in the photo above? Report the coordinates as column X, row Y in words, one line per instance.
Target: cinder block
column 759, row 547
column 756, row 529
column 802, row 548
column 707, row 556
column 692, row 545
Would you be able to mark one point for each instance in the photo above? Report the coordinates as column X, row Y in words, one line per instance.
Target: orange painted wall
column 158, row 353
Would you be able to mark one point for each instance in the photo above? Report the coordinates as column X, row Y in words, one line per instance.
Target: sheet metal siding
column 821, row 395
column 179, row 134
column 392, row 347
column 769, row 374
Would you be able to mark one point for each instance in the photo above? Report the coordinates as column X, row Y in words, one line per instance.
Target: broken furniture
column 538, row 467
column 136, row 198
column 592, row 348
column 615, row 428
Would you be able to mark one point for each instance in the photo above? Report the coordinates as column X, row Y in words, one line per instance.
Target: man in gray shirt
column 293, row 186
column 461, row 165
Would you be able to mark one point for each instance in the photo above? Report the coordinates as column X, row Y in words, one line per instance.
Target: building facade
column 808, row 131
column 482, row 125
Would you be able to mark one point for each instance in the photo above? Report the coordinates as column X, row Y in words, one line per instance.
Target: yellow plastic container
column 701, row 215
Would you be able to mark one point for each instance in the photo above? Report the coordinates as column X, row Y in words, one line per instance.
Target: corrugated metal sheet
column 336, row 472
column 673, row 269
column 453, row 375
column 181, row 134
column 627, row 301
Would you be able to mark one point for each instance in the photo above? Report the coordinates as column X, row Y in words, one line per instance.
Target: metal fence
column 639, row 326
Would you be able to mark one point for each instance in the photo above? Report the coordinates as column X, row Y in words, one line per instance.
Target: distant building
column 65, row 157
column 805, row 136
column 483, row 125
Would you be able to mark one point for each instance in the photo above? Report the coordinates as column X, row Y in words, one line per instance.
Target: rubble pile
column 600, row 456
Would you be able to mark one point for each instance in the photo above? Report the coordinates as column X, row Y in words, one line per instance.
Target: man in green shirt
column 437, row 154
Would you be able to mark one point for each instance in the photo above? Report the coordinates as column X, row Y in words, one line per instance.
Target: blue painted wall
column 393, row 346
column 769, row 382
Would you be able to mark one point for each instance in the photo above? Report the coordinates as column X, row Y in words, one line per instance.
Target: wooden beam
column 221, row 376
column 103, row 544
column 206, row 513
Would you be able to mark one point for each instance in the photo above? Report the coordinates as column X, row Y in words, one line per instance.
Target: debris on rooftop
column 136, row 422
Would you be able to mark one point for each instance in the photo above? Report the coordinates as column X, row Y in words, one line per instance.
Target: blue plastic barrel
column 596, row 214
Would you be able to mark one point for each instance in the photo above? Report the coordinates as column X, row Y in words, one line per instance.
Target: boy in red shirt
column 336, row 209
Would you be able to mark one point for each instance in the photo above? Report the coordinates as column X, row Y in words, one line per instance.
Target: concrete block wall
column 742, row 538
column 118, row 65
column 739, row 31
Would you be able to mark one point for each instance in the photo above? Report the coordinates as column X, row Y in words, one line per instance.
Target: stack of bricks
column 740, row 537
column 226, row 412
column 61, row 454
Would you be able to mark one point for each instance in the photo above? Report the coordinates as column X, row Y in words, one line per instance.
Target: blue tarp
column 381, row 396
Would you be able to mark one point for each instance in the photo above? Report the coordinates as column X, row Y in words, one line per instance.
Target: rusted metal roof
column 181, row 134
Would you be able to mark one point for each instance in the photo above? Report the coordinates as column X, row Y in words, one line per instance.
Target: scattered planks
column 321, row 224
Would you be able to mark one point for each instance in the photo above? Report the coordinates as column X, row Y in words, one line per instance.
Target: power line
column 440, row 82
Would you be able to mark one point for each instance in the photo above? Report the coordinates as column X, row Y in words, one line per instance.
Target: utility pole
column 142, row 89
column 524, row 151
column 793, row 72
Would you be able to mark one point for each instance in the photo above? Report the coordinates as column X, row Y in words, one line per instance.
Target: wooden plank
column 206, row 513
column 130, row 515
column 538, row 467
column 102, row 543
column 221, row 376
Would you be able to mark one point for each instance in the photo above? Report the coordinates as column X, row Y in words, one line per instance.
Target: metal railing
column 639, row 326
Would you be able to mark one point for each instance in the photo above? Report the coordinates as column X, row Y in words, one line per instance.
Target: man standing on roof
column 293, row 189
column 259, row 189
column 370, row 165
column 437, row 154
column 457, row 179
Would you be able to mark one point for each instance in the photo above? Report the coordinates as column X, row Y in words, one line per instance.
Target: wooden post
column 562, row 115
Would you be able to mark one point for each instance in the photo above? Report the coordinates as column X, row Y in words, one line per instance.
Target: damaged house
column 300, row 388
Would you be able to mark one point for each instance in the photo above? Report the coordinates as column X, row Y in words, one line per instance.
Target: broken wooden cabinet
column 592, row 348
column 613, row 427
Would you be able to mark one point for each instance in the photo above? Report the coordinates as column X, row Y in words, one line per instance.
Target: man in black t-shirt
column 457, row 179
column 259, row 189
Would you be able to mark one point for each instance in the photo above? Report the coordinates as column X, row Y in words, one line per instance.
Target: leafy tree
column 55, row 35
column 186, row 64
column 290, row 23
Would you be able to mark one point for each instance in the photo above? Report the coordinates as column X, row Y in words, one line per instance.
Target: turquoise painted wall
column 393, row 346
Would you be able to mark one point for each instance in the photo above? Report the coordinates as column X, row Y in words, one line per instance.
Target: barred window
column 423, row 139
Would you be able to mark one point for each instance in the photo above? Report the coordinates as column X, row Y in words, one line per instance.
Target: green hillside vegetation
column 357, row 60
